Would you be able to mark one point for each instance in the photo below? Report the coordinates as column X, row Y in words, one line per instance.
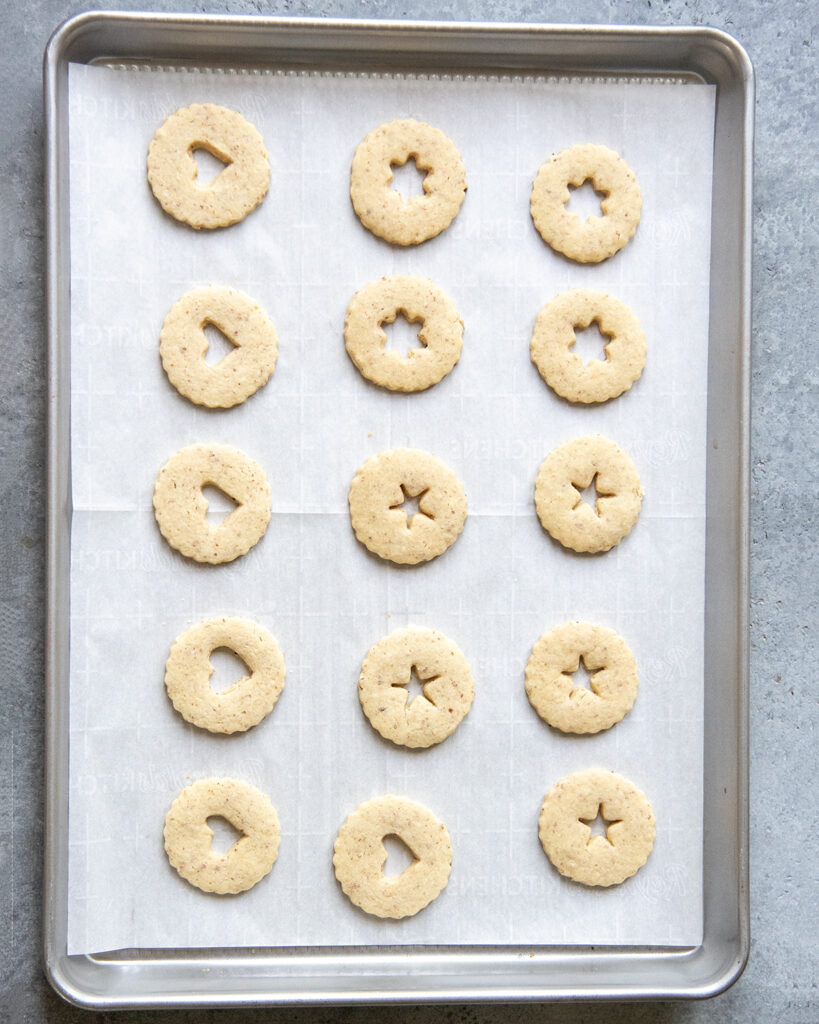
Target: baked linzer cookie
column 183, row 344
column 378, row 492
column 445, row 677
column 563, row 370
column 550, row 684
column 181, row 508
column 359, row 857
column 381, row 209
column 571, row 468
column 420, row 301
column 172, row 172
column 572, row 805
column 596, row 238
column 240, row 706
column 188, row 836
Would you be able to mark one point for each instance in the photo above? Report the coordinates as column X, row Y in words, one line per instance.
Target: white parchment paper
column 301, row 255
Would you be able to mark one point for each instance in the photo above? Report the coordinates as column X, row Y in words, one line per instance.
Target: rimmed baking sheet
column 492, row 450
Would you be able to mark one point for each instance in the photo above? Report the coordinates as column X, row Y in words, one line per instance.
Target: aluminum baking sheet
column 86, row 805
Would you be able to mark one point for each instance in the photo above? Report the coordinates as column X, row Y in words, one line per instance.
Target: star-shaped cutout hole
column 599, row 825
column 416, row 687
column 410, row 504
column 581, row 679
column 590, row 494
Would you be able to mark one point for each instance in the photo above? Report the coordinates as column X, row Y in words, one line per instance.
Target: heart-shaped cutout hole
column 219, row 344
column 399, row 856
column 208, row 166
column 225, row 835
column 220, row 504
column 228, row 668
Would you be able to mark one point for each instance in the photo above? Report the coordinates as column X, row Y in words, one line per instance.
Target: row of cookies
column 377, row 495
column 359, row 854
column 183, row 343
column 441, row 668
column 243, row 182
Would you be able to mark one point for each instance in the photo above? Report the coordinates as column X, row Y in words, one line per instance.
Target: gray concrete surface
column 780, row 981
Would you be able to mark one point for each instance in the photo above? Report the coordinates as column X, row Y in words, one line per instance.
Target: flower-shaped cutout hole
column 219, row 344
column 408, row 179
column 228, row 668
column 209, row 165
column 585, row 201
column 399, row 856
column 590, row 495
column 416, row 687
column 590, row 343
column 403, row 336
column 220, row 504
column 599, row 826
column 225, row 835
column 412, row 505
